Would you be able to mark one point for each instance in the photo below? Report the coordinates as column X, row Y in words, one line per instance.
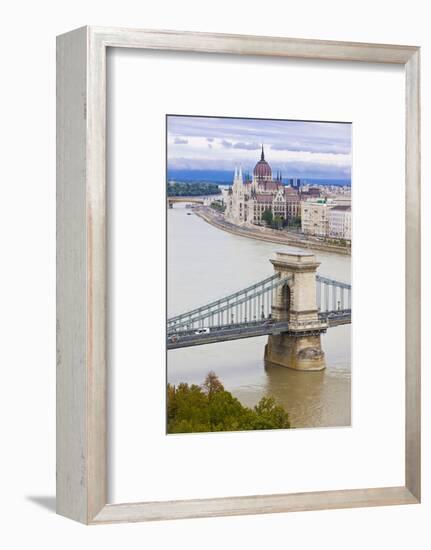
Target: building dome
column 262, row 170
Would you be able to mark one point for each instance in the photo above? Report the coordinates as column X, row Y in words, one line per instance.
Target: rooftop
column 294, row 251
column 294, row 257
column 260, row 197
column 342, row 208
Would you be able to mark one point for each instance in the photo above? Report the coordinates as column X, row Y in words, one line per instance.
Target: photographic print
column 259, row 239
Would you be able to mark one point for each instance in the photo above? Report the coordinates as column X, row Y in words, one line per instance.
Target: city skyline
column 297, row 148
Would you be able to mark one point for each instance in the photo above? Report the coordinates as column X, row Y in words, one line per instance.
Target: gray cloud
column 180, row 141
column 280, row 134
column 240, row 139
column 246, row 146
column 317, row 147
column 226, row 143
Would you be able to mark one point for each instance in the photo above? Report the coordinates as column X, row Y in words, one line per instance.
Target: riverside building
column 326, row 218
column 314, row 217
column 340, row 222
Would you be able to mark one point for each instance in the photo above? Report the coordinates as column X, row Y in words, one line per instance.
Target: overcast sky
column 307, row 149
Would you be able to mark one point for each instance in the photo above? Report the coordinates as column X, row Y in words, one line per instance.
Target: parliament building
column 249, row 197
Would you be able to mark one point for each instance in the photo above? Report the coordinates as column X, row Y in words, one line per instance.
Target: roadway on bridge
column 184, row 339
column 223, row 334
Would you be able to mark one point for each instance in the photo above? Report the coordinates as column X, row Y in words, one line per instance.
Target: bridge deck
column 183, row 339
column 223, row 334
column 336, row 318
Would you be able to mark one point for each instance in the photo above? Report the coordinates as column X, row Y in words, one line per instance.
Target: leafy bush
column 267, row 216
column 210, row 408
column 277, row 222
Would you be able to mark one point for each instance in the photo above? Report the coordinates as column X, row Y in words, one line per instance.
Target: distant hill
column 226, row 177
column 191, row 189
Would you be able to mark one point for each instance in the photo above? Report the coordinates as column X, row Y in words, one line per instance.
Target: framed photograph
column 292, row 230
column 238, row 275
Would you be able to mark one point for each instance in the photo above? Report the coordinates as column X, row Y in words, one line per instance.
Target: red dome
column 262, row 170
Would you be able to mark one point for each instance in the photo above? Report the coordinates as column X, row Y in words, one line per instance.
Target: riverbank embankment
column 266, row 234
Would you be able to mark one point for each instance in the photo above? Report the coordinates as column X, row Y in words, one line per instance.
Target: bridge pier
column 300, row 347
column 295, row 352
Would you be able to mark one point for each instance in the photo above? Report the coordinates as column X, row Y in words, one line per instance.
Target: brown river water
column 206, row 263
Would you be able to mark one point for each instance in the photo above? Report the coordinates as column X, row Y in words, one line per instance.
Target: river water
column 206, row 263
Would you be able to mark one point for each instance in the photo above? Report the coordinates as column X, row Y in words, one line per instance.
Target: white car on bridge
column 203, row 330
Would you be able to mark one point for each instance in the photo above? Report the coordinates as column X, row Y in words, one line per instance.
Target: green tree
column 269, row 415
column 212, row 384
column 187, row 409
column 191, row 189
column 277, row 222
column 210, row 408
column 295, row 221
column 267, row 216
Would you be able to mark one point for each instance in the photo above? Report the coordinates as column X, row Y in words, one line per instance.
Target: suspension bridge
column 293, row 306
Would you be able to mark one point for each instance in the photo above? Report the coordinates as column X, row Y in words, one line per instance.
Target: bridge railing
column 333, row 295
column 254, row 304
column 249, row 304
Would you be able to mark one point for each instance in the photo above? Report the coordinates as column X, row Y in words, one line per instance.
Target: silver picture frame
column 82, row 474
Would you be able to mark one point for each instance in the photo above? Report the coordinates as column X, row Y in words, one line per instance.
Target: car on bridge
column 203, row 330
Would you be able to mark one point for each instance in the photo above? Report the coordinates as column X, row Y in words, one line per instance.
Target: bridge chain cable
column 239, row 307
column 232, row 296
column 255, row 302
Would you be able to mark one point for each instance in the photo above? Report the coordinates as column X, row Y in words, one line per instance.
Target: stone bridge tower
column 295, row 302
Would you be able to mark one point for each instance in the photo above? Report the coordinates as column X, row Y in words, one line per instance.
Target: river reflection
column 205, row 263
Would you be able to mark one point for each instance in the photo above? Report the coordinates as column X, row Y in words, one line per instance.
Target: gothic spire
column 262, row 156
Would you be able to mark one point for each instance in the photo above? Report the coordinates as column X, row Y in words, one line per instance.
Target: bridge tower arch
column 299, row 347
column 282, row 302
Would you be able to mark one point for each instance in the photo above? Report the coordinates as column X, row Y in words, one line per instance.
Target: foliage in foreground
column 210, row 408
